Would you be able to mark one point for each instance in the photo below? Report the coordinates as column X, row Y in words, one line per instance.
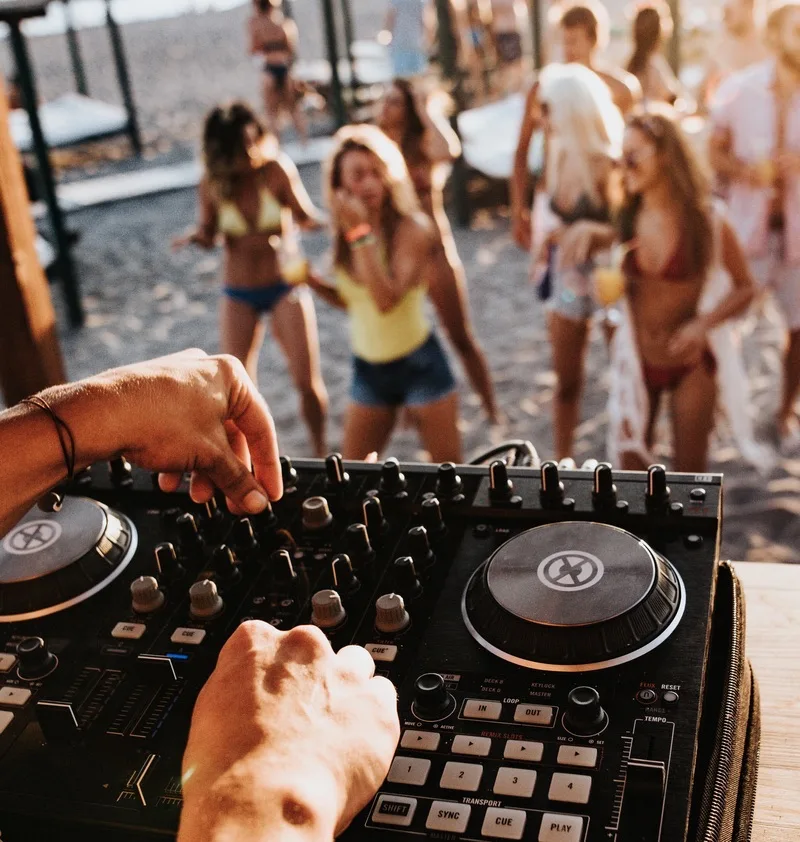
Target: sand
column 143, row 301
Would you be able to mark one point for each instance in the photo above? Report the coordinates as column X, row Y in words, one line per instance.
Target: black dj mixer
column 547, row 632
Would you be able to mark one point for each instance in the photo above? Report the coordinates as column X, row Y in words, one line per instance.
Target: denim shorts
column 422, row 377
column 564, row 300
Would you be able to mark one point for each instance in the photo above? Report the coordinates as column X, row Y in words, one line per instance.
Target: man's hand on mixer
column 288, row 740
column 185, row 412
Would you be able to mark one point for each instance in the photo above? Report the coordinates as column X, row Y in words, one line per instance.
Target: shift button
column 394, row 810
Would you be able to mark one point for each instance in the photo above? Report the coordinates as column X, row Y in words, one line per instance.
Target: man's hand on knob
column 289, row 740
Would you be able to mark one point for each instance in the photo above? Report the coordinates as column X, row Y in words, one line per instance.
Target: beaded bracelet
column 367, row 240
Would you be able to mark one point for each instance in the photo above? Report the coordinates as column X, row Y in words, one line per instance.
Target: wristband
column 367, row 240
column 65, row 437
column 359, row 231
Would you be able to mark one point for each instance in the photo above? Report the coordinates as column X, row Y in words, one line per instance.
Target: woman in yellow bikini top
column 382, row 249
column 251, row 195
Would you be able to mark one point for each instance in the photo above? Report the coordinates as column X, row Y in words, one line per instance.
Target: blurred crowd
column 663, row 237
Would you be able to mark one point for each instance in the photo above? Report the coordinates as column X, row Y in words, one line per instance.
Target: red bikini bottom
column 660, row 378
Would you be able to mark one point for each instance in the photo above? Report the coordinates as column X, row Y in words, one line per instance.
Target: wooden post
column 30, row 358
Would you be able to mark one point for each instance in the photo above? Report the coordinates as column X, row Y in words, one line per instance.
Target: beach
column 142, row 300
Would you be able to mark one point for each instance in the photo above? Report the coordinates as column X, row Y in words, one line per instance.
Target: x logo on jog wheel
column 570, row 570
column 32, row 537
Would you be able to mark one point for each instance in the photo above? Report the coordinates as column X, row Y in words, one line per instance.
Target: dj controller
column 547, row 632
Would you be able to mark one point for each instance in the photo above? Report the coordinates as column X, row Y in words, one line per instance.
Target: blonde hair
column 401, row 198
column 585, row 123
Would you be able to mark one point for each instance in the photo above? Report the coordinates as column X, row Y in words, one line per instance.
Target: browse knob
column 358, row 545
column 393, row 480
column 658, row 492
column 552, row 489
column 35, row 659
column 344, row 579
column 584, row 715
column 448, row 482
column 431, row 699
column 288, row 474
column 432, row 516
column 373, row 518
column 121, row 473
column 327, row 610
column 604, row 492
column 335, row 472
column 316, row 514
column 167, row 562
column 391, row 616
column 205, row 599
column 146, row 596
column 406, row 580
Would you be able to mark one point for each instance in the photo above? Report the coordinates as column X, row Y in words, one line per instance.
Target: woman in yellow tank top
column 382, row 254
column 248, row 196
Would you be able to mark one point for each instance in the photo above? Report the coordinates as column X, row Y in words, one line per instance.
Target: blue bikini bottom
column 261, row 299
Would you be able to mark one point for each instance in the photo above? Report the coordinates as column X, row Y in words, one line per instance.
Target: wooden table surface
column 772, row 593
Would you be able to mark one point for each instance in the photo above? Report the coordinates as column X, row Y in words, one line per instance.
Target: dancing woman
column 686, row 276
column 382, row 255
column 429, row 145
column 273, row 38
column 249, row 195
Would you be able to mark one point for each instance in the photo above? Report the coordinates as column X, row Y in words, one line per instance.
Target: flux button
column 558, row 828
column 504, row 824
column 478, row 709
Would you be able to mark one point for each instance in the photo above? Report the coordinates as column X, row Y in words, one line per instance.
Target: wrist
column 256, row 801
column 357, row 232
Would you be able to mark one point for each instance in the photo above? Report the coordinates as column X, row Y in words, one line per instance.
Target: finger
column 372, row 458
column 385, row 691
column 201, row 488
column 248, row 636
column 170, row 482
column 238, row 445
column 230, row 475
column 357, row 660
column 256, row 425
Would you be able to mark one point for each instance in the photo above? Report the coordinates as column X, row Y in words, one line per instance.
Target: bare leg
column 693, row 404
column 367, row 429
column 241, row 333
column 437, row 423
column 568, row 339
column 293, row 101
column 294, row 324
column 448, row 291
column 272, row 104
column 787, row 418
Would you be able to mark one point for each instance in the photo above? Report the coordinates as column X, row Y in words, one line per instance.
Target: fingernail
column 255, row 502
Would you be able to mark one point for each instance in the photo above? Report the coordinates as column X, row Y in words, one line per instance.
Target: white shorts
column 772, row 272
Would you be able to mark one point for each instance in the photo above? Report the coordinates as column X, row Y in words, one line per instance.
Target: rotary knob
column 243, row 537
column 316, row 514
column 432, row 701
column 406, row 580
column 338, row 478
column 501, row 489
column 327, row 610
column 448, row 482
column 345, row 580
column 420, row 547
column 35, row 659
column 604, row 492
column 167, row 562
column 120, row 472
column 226, row 565
column 432, row 516
column 393, row 480
column 205, row 599
column 584, row 716
column 358, row 546
column 283, row 573
column 146, row 596
column 391, row 616
column 288, row 474
column 374, row 520
column 551, row 492
column 658, row 492
column 189, row 535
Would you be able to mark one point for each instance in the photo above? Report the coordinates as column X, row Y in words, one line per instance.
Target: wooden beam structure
column 30, row 358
